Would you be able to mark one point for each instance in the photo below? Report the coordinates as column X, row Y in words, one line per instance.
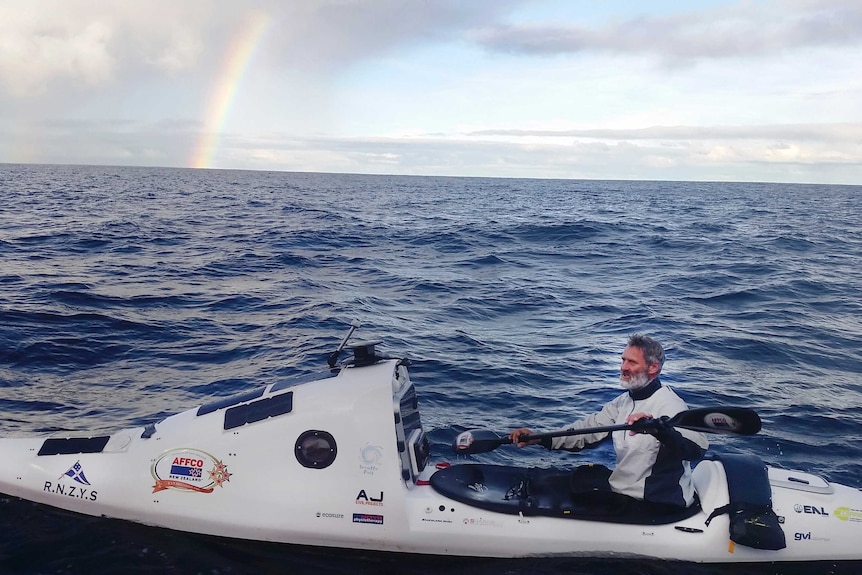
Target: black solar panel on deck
column 229, row 401
column 259, row 410
column 69, row 445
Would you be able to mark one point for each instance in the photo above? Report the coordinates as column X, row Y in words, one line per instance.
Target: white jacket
column 650, row 467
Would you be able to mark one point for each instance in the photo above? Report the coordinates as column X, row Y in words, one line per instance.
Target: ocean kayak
column 342, row 460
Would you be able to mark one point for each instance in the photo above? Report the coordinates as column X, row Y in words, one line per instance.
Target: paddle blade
column 736, row 420
column 478, row 441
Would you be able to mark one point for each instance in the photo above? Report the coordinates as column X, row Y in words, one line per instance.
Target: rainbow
column 237, row 57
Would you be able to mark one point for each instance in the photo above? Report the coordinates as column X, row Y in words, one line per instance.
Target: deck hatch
column 258, row 410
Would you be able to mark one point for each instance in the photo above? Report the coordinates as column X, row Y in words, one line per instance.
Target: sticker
column 62, row 487
column 848, row 514
column 810, row 509
column 482, row 522
column 721, row 421
column 370, row 457
column 189, row 470
column 799, row 536
column 446, row 521
column 76, row 472
column 364, row 499
column 366, row 518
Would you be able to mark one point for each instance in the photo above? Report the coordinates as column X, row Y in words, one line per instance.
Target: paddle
column 736, row 420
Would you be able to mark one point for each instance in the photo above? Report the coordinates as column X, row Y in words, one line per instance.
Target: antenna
column 333, row 357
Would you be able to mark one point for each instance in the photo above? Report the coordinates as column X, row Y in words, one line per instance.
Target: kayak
column 341, row 459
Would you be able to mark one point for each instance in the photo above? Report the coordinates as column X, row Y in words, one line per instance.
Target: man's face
column 634, row 371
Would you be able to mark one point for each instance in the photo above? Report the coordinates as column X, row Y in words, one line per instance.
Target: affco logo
column 810, row 509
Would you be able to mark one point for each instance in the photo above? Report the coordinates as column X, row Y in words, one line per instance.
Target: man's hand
column 635, row 417
column 516, row 434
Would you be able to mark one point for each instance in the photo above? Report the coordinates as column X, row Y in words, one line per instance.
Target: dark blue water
column 128, row 294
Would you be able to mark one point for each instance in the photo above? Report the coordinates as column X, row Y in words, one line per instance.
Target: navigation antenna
column 333, row 357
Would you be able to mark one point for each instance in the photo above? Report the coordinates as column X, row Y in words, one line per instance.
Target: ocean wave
column 128, row 294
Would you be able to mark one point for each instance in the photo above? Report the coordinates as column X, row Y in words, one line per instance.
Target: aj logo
column 363, row 498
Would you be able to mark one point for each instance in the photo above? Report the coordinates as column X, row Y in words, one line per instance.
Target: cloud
column 321, row 35
column 773, row 153
column 107, row 141
column 340, row 84
column 741, row 29
column 842, row 132
column 87, row 44
column 30, row 58
column 780, row 153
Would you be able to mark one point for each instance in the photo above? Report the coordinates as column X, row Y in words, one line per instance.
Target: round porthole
column 315, row 449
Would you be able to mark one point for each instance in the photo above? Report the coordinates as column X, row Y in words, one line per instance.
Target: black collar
column 645, row 391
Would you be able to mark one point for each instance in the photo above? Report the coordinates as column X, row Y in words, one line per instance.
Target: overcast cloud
column 720, row 90
column 728, row 30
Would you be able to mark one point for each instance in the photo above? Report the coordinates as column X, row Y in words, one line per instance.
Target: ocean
column 129, row 294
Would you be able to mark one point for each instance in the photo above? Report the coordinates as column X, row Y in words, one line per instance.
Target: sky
column 712, row 90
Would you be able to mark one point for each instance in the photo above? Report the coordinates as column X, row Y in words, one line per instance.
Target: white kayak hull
column 341, row 461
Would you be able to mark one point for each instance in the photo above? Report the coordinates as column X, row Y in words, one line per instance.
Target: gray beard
column 637, row 381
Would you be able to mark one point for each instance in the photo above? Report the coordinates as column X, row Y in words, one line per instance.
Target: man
column 651, row 466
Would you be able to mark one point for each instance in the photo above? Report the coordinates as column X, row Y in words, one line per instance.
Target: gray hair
column 652, row 350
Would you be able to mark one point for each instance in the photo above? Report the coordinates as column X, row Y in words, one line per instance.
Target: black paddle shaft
column 736, row 420
column 733, row 420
